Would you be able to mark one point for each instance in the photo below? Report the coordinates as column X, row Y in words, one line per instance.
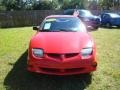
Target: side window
column 105, row 16
column 102, row 15
column 69, row 12
column 41, row 25
column 81, row 13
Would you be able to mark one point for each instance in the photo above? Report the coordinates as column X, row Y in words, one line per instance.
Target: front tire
column 108, row 25
column 96, row 28
column 118, row 26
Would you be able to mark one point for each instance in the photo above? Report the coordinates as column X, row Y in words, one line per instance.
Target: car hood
column 92, row 17
column 115, row 18
column 60, row 42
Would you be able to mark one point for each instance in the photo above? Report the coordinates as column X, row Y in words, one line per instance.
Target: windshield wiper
column 66, row 30
column 45, row 30
column 62, row 29
column 59, row 30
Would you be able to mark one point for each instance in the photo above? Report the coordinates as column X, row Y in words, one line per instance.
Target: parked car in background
column 86, row 16
column 110, row 19
column 62, row 46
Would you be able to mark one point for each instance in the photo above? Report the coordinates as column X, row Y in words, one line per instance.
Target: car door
column 105, row 18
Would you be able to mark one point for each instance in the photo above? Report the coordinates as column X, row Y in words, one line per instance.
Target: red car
column 61, row 46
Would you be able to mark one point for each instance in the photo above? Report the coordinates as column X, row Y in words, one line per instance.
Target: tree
column 1, row 6
column 71, row 4
column 13, row 4
column 109, row 4
column 46, row 5
column 29, row 4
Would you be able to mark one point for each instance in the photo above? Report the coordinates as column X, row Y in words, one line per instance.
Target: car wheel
column 96, row 27
column 118, row 26
column 108, row 25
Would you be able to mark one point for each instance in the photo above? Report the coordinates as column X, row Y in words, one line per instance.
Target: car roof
column 75, row 9
column 58, row 16
column 69, row 10
column 110, row 13
column 72, row 10
column 83, row 10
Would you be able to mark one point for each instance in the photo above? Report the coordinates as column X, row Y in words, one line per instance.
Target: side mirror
column 35, row 27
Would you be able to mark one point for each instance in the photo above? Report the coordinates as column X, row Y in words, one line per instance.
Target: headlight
column 37, row 52
column 86, row 52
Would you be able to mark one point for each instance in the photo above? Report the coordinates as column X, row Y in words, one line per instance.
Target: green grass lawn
column 13, row 56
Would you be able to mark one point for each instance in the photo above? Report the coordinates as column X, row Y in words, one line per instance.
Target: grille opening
column 50, row 70
column 54, row 55
column 53, row 70
column 74, row 70
column 71, row 55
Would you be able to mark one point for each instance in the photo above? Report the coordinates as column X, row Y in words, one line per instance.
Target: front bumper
column 93, row 24
column 70, row 66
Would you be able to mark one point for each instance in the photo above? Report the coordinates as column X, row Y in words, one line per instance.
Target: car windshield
column 68, row 12
column 67, row 24
column 114, row 15
column 85, row 13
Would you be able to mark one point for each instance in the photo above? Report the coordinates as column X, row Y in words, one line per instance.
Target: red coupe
column 61, row 46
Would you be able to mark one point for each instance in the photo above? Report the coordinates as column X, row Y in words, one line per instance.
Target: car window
column 63, row 24
column 105, row 16
column 68, row 12
column 85, row 13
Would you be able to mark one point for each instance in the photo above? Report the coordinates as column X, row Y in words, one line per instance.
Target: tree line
column 11, row 5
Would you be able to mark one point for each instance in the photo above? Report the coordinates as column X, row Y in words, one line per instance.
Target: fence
column 30, row 18
column 24, row 18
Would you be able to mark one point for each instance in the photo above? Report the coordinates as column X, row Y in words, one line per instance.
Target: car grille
column 60, row 56
column 56, row 56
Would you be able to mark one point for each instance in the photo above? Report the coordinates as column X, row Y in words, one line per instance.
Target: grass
column 13, row 56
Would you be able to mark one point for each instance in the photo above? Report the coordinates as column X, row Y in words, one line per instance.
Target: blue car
column 110, row 19
column 86, row 16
